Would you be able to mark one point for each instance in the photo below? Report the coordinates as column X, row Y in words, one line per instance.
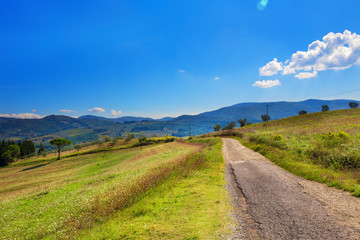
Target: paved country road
column 274, row 204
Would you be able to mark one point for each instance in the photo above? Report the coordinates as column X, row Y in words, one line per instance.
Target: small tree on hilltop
column 230, row 126
column 324, row 108
column 60, row 143
column 217, row 127
column 265, row 118
column 353, row 104
column 242, row 122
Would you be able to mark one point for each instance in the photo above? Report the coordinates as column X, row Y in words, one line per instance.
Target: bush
column 353, row 104
column 278, row 137
column 265, row 117
column 217, row 127
column 302, row 112
column 142, row 138
column 324, row 108
column 230, row 126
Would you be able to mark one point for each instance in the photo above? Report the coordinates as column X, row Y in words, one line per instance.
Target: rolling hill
column 89, row 128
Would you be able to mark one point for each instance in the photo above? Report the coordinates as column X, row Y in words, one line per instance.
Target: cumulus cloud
column 216, row 78
column 96, row 110
column 271, row 68
column 22, row 116
column 267, row 83
column 304, row 75
column 115, row 113
column 66, row 111
column 336, row 51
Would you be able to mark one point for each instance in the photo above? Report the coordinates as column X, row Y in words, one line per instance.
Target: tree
column 11, row 153
column 41, row 149
column 324, row 108
column 129, row 137
column 353, row 104
column 302, row 112
column 265, row 117
column 142, row 138
column 242, row 122
column 217, row 127
column 60, row 143
column 230, row 126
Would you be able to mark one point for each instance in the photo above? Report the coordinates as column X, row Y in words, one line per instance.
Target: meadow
column 322, row 146
column 177, row 188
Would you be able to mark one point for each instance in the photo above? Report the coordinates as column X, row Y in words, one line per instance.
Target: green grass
column 187, row 206
column 321, row 146
column 42, row 201
column 178, row 193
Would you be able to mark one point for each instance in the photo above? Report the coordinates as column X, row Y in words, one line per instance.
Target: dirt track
column 274, row 204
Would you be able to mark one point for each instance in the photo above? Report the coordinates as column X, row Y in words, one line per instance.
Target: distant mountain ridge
column 91, row 127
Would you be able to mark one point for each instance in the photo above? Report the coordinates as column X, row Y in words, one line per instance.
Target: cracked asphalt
column 274, row 204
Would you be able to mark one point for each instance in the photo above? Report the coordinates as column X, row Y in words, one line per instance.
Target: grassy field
column 178, row 193
column 321, row 146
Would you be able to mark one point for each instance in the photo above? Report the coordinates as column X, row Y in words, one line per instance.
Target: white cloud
column 96, row 110
column 115, row 113
column 304, row 75
column 271, row 68
column 267, row 83
column 216, row 78
column 22, row 116
column 66, row 111
column 181, row 70
column 336, row 51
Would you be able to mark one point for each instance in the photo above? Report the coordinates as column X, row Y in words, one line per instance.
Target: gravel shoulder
column 275, row 204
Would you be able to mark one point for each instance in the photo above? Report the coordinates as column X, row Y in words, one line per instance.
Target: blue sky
column 167, row 58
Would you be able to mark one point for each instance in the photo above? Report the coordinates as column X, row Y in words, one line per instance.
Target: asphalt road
column 274, row 204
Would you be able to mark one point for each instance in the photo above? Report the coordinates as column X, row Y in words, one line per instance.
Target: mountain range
column 90, row 128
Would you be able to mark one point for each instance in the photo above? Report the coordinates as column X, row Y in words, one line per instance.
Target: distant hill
column 4, row 119
column 132, row 119
column 120, row 119
column 89, row 128
column 277, row 110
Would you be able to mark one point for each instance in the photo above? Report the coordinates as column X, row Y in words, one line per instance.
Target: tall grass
column 57, row 199
column 191, row 203
column 105, row 204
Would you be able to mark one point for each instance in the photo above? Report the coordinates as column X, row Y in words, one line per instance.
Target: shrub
column 142, row 138
column 343, row 135
column 302, row 112
column 353, row 104
column 217, row 127
column 265, row 118
column 278, row 137
column 230, row 126
column 324, row 108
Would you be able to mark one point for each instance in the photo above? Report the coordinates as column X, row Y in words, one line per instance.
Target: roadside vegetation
column 162, row 190
column 322, row 146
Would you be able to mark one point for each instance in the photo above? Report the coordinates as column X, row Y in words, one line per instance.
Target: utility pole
column 190, row 128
